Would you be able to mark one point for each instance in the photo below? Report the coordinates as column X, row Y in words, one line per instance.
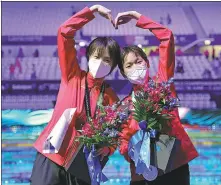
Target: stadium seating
column 28, row 102
column 211, row 23
column 34, row 21
column 196, row 100
column 101, row 27
column 190, row 100
column 41, row 21
column 48, row 68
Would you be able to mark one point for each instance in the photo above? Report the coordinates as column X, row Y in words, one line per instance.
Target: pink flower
column 156, row 99
column 87, row 130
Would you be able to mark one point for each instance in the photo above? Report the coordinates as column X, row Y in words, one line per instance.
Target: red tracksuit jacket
column 165, row 71
column 72, row 88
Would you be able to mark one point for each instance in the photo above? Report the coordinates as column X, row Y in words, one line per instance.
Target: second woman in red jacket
column 134, row 67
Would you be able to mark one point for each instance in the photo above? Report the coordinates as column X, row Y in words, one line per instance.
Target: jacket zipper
column 68, row 154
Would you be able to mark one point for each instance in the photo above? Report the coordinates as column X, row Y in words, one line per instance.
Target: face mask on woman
column 98, row 68
column 137, row 76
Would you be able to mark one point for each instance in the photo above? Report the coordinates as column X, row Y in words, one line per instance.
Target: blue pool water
column 20, row 129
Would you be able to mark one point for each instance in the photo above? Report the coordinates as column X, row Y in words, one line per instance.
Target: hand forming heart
column 122, row 18
column 125, row 17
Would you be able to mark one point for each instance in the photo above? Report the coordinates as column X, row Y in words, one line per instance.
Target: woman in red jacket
column 103, row 53
column 134, row 67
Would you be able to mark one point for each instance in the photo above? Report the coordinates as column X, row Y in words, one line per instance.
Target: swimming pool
column 20, row 128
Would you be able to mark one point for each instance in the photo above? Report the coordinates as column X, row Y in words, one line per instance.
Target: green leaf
column 151, row 119
column 152, row 124
column 164, row 101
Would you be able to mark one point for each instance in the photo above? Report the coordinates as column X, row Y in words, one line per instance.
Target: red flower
column 97, row 127
column 164, row 111
column 87, row 130
column 156, row 99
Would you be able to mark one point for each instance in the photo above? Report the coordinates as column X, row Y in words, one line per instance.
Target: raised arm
column 66, row 50
column 166, row 47
column 66, row 44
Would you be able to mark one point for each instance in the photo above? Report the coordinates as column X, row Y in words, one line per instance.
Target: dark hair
column 125, row 51
column 100, row 44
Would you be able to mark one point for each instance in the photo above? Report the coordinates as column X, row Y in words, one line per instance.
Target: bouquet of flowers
column 103, row 130
column 153, row 104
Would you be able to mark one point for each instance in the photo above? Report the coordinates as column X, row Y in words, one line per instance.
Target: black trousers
column 179, row 176
column 46, row 172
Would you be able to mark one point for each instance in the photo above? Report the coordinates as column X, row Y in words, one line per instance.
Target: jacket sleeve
column 128, row 130
column 66, row 44
column 166, row 47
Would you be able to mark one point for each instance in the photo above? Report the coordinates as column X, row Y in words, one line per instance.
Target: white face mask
column 98, row 69
column 138, row 75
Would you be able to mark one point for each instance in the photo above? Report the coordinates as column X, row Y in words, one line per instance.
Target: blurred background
column 31, row 76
